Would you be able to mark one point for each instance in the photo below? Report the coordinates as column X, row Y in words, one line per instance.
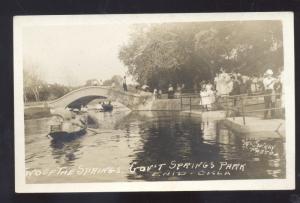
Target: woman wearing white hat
column 269, row 82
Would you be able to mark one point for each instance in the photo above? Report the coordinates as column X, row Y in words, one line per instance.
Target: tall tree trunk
column 35, row 93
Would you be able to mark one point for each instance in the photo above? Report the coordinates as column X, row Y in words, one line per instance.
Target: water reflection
column 65, row 153
column 122, row 138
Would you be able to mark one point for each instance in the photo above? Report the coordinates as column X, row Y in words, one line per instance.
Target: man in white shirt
column 269, row 82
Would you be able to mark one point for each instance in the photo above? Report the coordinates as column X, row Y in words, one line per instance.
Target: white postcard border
column 212, row 185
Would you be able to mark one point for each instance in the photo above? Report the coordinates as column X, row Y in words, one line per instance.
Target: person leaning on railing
column 269, row 100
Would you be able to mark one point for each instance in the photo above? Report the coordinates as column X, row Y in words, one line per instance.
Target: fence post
column 242, row 100
column 181, row 103
column 190, row 104
column 234, row 109
column 226, row 106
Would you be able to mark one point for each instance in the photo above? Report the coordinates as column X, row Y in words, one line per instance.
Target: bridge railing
column 235, row 105
column 193, row 101
column 108, row 88
column 243, row 105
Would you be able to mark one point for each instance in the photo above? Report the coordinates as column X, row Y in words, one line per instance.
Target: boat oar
column 93, row 130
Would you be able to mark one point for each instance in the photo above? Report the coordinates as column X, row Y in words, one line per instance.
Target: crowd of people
column 267, row 85
column 233, row 84
column 172, row 92
column 228, row 84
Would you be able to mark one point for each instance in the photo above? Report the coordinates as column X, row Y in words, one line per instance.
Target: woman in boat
column 99, row 107
column 83, row 108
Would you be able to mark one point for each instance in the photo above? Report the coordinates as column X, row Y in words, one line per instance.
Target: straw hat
column 269, row 72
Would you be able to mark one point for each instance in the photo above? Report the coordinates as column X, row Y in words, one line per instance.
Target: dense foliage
column 159, row 54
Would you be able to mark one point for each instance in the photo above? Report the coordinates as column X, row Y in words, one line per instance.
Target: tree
column 32, row 85
column 160, row 54
column 116, row 79
column 92, row 82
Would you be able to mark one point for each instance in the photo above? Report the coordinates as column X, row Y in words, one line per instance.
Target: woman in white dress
column 223, row 83
column 204, row 100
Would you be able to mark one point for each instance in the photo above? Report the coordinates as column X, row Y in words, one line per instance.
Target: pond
column 149, row 146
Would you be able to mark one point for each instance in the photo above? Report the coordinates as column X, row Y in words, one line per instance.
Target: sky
column 70, row 55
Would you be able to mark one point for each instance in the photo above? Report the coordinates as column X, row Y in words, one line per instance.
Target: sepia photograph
column 154, row 102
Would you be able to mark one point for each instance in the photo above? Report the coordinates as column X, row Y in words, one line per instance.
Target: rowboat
column 66, row 130
column 104, row 107
column 107, row 107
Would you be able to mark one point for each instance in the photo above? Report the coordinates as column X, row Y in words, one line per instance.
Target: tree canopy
column 159, row 54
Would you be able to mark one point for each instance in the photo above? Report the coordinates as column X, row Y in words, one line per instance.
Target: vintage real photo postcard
column 154, row 102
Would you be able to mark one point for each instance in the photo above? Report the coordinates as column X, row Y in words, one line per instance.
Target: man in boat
column 107, row 106
column 68, row 128
column 83, row 108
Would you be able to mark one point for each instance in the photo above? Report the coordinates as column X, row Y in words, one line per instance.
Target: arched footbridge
column 85, row 95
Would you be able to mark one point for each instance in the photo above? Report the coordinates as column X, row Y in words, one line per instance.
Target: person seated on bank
column 268, row 83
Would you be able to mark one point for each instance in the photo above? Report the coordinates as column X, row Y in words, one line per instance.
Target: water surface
column 150, row 146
